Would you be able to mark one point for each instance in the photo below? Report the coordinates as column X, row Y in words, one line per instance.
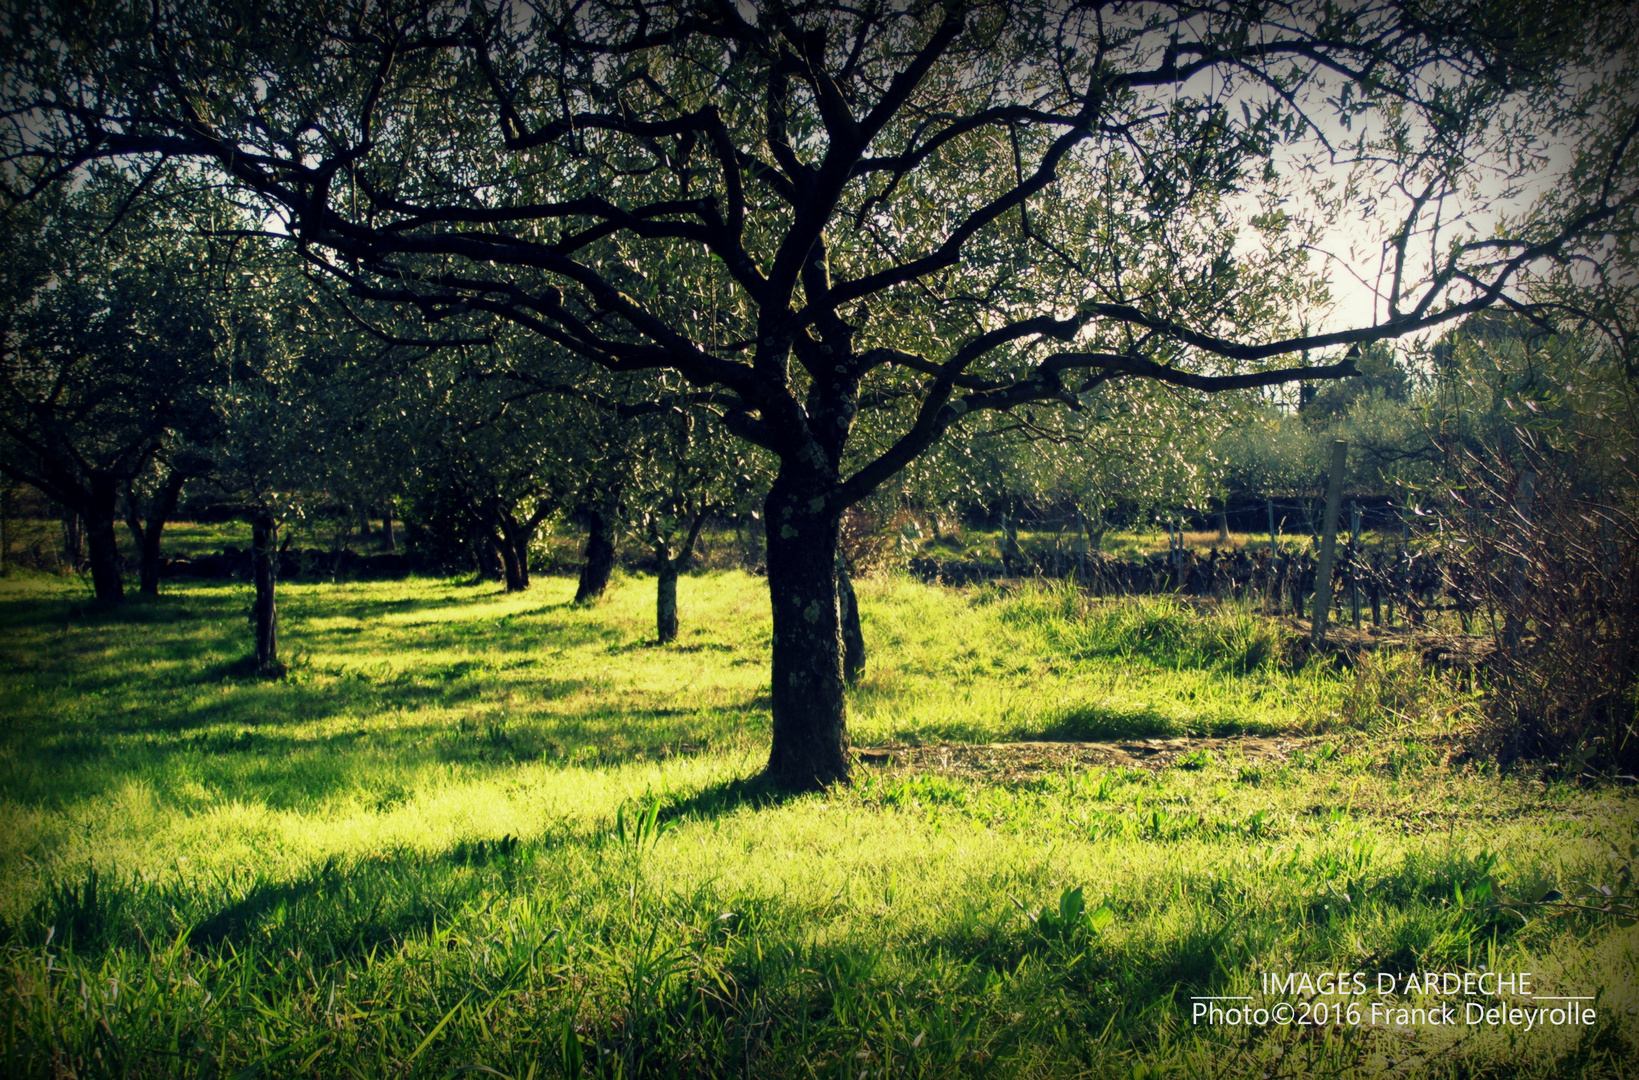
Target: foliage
column 99, row 383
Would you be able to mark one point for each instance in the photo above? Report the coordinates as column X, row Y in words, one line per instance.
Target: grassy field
column 473, row 833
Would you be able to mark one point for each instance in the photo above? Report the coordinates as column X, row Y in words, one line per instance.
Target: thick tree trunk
column 853, row 636
column 264, row 544
column 810, row 714
column 600, row 558
column 665, row 597
column 102, row 541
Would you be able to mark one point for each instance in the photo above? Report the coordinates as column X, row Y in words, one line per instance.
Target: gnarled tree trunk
column 516, row 570
column 147, row 534
column 514, row 545
column 810, row 713
column 600, row 557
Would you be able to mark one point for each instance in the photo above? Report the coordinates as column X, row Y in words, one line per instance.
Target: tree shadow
column 335, row 910
column 724, row 797
column 1093, row 722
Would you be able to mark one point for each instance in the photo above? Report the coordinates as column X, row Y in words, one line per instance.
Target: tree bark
column 600, row 558
column 389, row 539
column 264, row 543
column 810, row 744
column 102, row 541
column 665, row 601
column 853, row 636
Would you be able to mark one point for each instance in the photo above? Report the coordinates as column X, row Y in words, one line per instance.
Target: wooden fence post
column 1322, row 605
column 1354, row 562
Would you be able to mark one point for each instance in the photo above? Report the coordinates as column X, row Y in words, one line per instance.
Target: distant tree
column 922, row 211
column 110, row 332
column 1126, row 451
column 685, row 471
column 1380, row 374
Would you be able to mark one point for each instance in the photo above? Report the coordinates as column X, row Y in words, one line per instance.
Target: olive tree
column 110, row 327
column 916, row 211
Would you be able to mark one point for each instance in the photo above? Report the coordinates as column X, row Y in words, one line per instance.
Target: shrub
column 1545, row 565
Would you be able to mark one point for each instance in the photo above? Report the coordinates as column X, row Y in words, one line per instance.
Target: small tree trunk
column 264, row 543
column 102, row 540
column 5, row 527
column 520, row 551
column 853, row 636
column 670, row 568
column 600, row 558
column 1012, row 556
column 665, row 596
column 389, row 539
column 487, row 556
column 74, row 540
column 515, row 538
column 159, row 512
column 810, row 736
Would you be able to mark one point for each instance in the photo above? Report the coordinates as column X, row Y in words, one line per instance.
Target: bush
column 1547, row 570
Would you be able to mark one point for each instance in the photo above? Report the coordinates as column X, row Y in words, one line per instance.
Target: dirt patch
column 1439, row 649
column 1021, row 760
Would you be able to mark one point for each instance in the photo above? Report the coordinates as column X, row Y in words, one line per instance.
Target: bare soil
column 1021, row 760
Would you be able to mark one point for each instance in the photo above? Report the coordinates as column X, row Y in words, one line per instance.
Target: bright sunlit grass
column 479, row 830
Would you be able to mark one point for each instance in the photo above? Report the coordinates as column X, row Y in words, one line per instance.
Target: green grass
column 479, row 832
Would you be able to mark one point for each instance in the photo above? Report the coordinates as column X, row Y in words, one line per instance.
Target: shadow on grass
column 1101, row 723
column 1089, row 722
column 724, row 797
column 332, row 911
column 58, row 612
column 243, row 669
